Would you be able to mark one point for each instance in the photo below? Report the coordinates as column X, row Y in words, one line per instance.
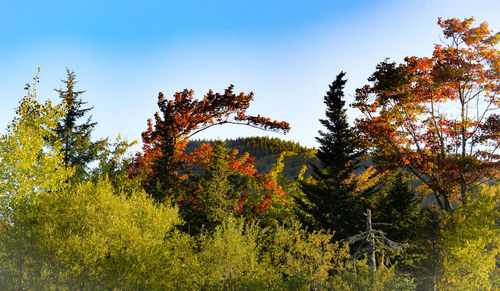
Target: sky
column 285, row 51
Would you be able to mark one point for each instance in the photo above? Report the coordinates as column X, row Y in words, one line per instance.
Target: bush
column 237, row 256
column 359, row 277
column 470, row 243
column 93, row 238
column 230, row 259
column 305, row 260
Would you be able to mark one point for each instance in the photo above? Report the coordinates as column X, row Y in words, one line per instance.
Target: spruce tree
column 78, row 148
column 215, row 194
column 221, row 189
column 331, row 201
column 399, row 205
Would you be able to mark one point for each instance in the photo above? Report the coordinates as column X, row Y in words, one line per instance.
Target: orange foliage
column 256, row 198
column 366, row 179
column 433, row 115
column 163, row 158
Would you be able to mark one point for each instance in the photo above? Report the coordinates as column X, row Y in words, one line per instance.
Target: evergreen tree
column 331, row 201
column 400, row 207
column 221, row 193
column 77, row 146
column 215, row 194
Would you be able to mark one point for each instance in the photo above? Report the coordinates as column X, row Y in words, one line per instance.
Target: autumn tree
column 224, row 183
column 436, row 115
column 178, row 120
column 332, row 202
column 77, row 146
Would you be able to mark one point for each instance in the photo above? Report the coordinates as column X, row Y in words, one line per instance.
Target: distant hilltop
column 267, row 150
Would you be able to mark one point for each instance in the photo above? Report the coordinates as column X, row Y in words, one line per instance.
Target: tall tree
column 180, row 118
column 77, row 146
column 331, row 201
column 436, row 115
column 29, row 163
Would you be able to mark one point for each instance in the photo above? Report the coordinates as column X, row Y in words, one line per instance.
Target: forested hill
column 266, row 151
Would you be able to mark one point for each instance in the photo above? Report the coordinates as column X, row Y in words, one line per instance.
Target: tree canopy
column 180, row 119
column 437, row 116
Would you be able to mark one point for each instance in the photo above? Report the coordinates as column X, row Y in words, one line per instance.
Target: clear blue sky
column 286, row 51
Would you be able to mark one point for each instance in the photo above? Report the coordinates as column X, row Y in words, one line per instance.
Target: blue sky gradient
column 286, row 52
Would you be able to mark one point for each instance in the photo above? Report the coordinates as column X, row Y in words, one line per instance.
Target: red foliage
column 432, row 115
column 256, row 198
column 164, row 141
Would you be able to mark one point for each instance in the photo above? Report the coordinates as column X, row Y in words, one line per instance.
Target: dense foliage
column 266, row 151
column 437, row 116
column 262, row 213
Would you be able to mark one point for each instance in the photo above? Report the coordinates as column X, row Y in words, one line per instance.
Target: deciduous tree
column 30, row 166
column 178, row 120
column 436, row 115
column 29, row 163
column 470, row 243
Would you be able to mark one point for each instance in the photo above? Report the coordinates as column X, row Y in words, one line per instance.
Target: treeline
column 261, row 213
column 267, row 151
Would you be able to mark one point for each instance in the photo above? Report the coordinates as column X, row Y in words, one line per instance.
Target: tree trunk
column 371, row 242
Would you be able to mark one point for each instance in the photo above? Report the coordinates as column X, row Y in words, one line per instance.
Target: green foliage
column 397, row 212
column 397, row 203
column 78, row 148
column 93, row 238
column 332, row 202
column 220, row 196
column 286, row 211
column 113, row 163
column 238, row 256
column 29, row 164
column 470, row 243
column 229, row 259
column 84, row 237
column 359, row 277
column 426, row 254
column 306, row 260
